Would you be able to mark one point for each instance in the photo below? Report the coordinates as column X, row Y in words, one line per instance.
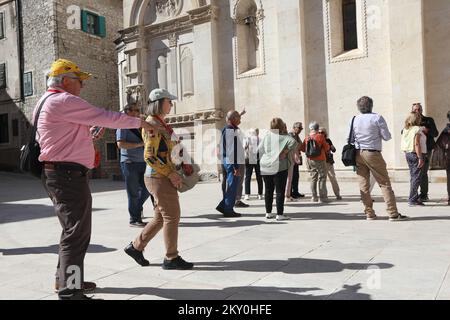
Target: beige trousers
column 166, row 216
column 373, row 162
column 332, row 177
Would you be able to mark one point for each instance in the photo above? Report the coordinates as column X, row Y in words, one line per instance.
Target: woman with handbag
column 163, row 182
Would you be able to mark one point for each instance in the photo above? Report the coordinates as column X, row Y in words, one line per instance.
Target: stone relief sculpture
column 168, row 8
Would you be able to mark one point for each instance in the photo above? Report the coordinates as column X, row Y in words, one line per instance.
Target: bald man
column 232, row 156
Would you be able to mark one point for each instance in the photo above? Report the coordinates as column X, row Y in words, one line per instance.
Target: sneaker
column 86, row 287
column 338, row 198
column 399, row 217
column 177, row 264
column 314, row 200
column 247, row 197
column 260, row 197
column 232, row 214
column 137, row 255
column 371, row 217
column 270, row 215
column 240, row 204
column 424, row 198
column 324, row 200
column 281, row 217
column 290, row 199
column 138, row 224
column 416, row 204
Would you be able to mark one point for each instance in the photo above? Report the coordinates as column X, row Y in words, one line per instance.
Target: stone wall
column 96, row 55
column 437, row 60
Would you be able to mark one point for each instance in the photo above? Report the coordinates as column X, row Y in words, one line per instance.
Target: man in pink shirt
column 65, row 136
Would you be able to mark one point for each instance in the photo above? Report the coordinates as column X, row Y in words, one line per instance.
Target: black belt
column 370, row 150
column 71, row 166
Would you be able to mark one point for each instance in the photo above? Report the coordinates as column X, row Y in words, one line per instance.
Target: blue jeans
column 136, row 190
column 416, row 174
column 229, row 196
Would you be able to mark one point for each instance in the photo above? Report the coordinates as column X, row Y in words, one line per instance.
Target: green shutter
column 84, row 21
column 101, row 26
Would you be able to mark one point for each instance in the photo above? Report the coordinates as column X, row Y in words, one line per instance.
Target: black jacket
column 428, row 123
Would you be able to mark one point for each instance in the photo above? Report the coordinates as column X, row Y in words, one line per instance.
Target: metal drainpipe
column 20, row 47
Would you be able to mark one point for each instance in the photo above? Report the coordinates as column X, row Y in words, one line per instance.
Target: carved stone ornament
column 168, row 8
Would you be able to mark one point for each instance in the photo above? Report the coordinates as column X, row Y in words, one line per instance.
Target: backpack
column 30, row 152
column 313, row 149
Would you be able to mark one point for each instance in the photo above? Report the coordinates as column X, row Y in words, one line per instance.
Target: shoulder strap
column 137, row 134
column 351, row 130
column 36, row 117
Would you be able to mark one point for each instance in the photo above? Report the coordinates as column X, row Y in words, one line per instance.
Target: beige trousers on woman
column 167, row 216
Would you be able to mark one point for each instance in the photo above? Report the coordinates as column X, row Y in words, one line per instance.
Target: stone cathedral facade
column 300, row 60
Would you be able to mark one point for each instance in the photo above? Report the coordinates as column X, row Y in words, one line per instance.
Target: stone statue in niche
column 167, row 8
column 161, row 72
column 187, row 73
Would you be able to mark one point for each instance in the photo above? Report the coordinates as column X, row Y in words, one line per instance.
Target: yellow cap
column 63, row 66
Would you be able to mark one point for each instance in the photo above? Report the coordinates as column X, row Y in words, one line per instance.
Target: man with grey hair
column 369, row 129
column 67, row 153
column 232, row 157
column 316, row 149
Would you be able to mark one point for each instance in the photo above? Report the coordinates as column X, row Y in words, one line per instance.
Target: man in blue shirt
column 133, row 167
column 232, row 156
column 369, row 129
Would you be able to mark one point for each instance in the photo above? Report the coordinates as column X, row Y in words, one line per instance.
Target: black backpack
column 313, row 149
column 30, row 152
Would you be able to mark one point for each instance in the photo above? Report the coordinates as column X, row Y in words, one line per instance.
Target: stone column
column 407, row 65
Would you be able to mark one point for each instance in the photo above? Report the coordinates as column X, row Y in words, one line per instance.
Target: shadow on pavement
column 241, row 293
column 289, row 266
column 93, row 248
column 19, row 187
column 15, row 212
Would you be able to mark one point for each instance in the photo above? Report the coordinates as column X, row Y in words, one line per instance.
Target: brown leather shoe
column 87, row 286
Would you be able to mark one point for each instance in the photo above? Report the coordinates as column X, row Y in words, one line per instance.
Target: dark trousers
column 295, row 178
column 275, row 182
column 415, row 173
column 248, row 177
column 424, row 176
column 136, row 191
column 448, row 180
column 229, row 194
column 71, row 196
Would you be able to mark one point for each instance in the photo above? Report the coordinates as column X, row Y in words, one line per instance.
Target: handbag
column 189, row 171
column 349, row 150
column 189, row 177
column 30, row 152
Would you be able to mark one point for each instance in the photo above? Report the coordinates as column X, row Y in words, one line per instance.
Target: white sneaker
column 282, row 217
column 270, row 215
column 260, row 197
column 247, row 197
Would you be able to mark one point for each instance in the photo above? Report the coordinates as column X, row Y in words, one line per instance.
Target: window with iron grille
column 2, row 75
column 28, row 84
column 4, row 128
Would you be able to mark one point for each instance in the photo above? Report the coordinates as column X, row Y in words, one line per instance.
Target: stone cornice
column 183, row 22
column 185, row 119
